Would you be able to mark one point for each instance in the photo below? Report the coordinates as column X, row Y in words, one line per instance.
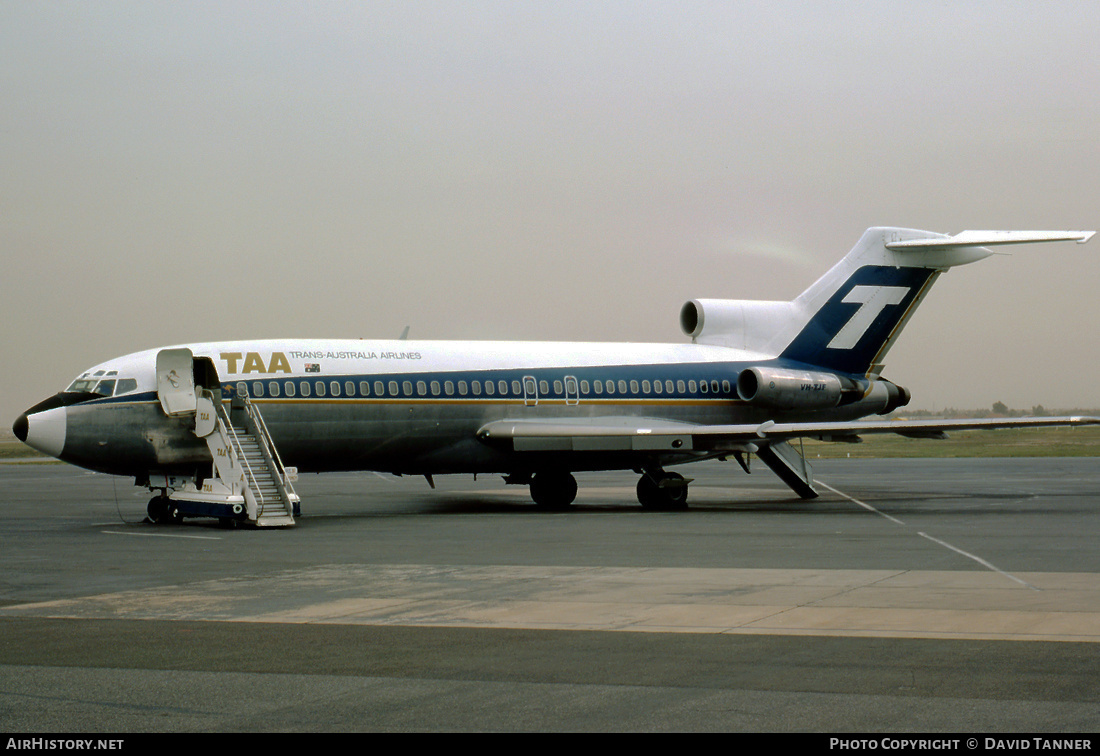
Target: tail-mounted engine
column 780, row 388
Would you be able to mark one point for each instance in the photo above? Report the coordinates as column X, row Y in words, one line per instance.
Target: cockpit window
column 125, row 386
column 105, row 388
column 82, row 385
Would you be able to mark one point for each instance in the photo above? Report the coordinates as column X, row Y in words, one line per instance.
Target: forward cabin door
column 176, row 381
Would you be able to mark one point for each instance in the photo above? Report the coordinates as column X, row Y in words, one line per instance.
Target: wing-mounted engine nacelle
column 779, row 388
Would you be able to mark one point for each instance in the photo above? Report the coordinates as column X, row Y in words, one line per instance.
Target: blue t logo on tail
column 853, row 329
column 872, row 300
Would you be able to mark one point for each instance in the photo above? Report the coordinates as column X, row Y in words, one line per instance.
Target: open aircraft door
column 176, row 381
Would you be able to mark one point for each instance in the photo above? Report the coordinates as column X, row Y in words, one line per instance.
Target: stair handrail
column 255, row 424
column 226, row 423
column 261, row 425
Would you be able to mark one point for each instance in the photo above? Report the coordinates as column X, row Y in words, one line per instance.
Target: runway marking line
column 945, row 544
column 161, row 535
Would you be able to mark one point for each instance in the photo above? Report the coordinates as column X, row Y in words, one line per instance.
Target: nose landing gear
column 162, row 511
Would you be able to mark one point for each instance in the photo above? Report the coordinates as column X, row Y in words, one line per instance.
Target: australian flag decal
column 313, row 367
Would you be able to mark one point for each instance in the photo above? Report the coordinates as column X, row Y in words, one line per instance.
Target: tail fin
column 860, row 306
column 852, row 315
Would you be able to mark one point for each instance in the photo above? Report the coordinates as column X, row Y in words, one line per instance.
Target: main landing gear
column 663, row 491
column 553, row 490
column 658, row 490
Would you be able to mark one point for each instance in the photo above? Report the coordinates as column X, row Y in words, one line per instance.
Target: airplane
column 207, row 426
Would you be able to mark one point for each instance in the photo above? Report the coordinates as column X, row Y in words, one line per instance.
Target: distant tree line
column 999, row 409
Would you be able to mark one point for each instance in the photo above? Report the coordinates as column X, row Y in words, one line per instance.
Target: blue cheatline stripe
column 628, row 383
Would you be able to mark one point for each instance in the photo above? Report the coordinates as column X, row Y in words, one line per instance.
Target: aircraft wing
column 645, row 434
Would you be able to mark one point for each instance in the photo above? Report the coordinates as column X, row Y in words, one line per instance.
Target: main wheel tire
column 553, row 490
column 663, row 493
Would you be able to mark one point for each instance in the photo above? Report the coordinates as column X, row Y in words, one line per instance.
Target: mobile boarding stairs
column 249, row 483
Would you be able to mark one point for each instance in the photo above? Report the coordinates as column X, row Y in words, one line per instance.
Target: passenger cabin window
column 502, row 387
column 364, row 388
column 273, row 387
column 517, row 388
column 319, row 388
column 257, row 389
column 392, row 385
column 290, row 390
column 305, row 388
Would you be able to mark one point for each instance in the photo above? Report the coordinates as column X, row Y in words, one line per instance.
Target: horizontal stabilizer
column 990, row 239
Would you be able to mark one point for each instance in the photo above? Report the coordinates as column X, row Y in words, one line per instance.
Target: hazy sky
column 174, row 172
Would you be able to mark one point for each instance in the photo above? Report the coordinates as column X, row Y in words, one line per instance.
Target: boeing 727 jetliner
column 208, row 426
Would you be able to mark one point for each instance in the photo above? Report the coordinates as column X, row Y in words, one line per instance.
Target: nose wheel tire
column 161, row 511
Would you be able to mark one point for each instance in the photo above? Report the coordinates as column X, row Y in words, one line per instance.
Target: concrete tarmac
column 914, row 595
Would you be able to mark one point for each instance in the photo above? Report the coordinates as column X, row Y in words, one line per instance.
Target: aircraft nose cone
column 44, row 430
column 19, row 427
